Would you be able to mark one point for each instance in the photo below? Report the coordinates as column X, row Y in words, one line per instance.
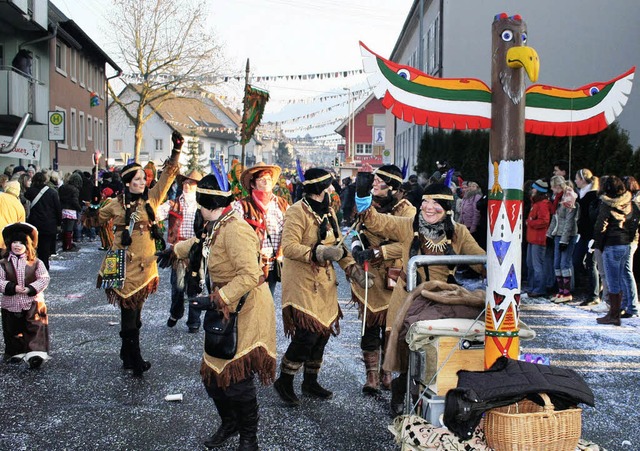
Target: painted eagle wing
column 413, row 96
column 553, row 111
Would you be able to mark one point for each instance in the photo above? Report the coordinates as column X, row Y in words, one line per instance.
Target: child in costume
column 23, row 278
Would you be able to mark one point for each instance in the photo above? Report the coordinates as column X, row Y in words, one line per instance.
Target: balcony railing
column 20, row 94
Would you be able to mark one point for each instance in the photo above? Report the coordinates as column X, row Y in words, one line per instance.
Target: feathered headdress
column 223, row 182
column 299, row 170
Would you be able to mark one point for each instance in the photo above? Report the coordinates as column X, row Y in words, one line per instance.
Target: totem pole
column 509, row 111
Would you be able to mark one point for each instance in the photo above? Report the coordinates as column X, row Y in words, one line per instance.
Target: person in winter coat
column 563, row 229
column 45, row 215
column 69, row 194
column 583, row 260
column 385, row 263
column 469, row 214
column 431, row 232
column 310, row 309
column 11, row 210
column 234, row 271
column 537, row 225
column 614, row 231
column 136, row 232
column 23, row 278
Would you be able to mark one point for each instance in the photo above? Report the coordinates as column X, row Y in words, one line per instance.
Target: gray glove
column 356, row 273
column 329, row 253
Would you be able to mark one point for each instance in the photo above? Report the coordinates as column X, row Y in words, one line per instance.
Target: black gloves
column 178, row 141
column 360, row 255
column 364, row 184
column 563, row 247
column 165, row 258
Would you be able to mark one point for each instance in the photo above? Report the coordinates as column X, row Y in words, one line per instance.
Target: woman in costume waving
column 129, row 273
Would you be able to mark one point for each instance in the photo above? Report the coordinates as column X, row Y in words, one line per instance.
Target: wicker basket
column 526, row 426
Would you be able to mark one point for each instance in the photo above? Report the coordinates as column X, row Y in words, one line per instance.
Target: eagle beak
column 525, row 57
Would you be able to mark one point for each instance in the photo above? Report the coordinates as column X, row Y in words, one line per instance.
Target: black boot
column 247, row 414
column 125, row 353
column 138, row 364
column 398, row 392
column 310, row 385
column 229, row 426
column 284, row 384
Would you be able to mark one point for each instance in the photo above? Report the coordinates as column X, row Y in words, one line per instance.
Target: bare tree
column 167, row 45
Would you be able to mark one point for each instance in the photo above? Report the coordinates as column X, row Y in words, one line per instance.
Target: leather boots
column 371, row 359
column 310, row 385
column 229, row 426
column 247, row 414
column 613, row 316
column 284, row 384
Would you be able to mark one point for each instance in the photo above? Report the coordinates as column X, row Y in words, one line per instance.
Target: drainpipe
column 106, row 118
column 16, row 136
column 48, row 37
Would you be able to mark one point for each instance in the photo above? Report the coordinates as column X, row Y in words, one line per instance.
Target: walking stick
column 366, row 294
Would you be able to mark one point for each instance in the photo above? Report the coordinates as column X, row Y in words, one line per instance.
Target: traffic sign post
column 57, row 128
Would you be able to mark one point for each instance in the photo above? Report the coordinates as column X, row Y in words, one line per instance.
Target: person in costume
column 431, row 232
column 181, row 213
column 23, row 279
column 264, row 211
column 310, row 310
column 136, row 231
column 385, row 260
column 234, row 177
column 234, row 271
column 282, row 190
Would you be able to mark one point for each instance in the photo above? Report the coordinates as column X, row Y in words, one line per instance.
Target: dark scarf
column 384, row 204
column 325, row 218
column 130, row 204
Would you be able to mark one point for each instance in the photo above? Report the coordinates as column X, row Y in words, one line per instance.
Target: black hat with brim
column 17, row 231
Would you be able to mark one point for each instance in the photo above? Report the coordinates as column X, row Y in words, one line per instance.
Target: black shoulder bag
column 220, row 335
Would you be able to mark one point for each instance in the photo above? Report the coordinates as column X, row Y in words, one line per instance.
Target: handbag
column 392, row 277
column 220, row 335
column 114, row 270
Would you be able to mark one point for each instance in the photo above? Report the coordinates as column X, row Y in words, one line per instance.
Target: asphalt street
column 81, row 399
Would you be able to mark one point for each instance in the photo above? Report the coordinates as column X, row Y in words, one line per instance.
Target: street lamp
column 351, row 133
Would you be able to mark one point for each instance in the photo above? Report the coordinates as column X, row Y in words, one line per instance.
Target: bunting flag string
column 358, row 94
column 211, row 79
column 315, row 125
column 313, row 114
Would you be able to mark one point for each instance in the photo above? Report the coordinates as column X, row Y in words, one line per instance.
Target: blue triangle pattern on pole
column 511, row 282
column 501, row 248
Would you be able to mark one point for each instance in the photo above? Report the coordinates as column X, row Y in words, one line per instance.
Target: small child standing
column 23, row 278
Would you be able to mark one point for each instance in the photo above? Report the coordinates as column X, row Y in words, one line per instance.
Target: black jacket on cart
column 506, row 382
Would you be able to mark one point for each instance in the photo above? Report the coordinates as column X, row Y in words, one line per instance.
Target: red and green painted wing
column 413, row 96
column 553, row 111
